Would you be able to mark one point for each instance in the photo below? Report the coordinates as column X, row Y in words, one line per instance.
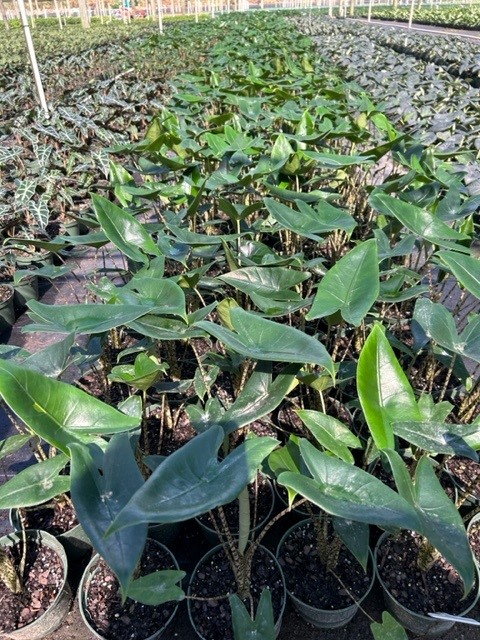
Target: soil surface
column 214, row 578
column 438, row 589
column 6, row 292
column 42, row 580
column 132, row 620
column 309, row 581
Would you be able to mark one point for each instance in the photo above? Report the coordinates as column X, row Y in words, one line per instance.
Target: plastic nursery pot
column 27, row 259
column 210, row 533
column 467, row 499
column 53, row 617
column 75, row 541
column 325, row 618
column 83, row 589
column 473, row 532
column 7, row 310
column 206, row 559
column 418, row 623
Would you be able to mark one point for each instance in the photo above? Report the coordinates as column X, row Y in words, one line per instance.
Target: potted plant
column 47, row 410
column 391, row 409
column 35, row 595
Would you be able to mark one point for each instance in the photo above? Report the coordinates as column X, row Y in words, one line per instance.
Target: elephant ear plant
column 59, row 414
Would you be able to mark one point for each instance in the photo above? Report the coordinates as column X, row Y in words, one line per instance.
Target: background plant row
column 461, row 17
column 437, row 107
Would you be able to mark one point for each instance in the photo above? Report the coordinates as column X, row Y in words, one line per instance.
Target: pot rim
column 83, row 586
column 410, row 612
column 311, row 608
column 205, row 557
column 43, row 537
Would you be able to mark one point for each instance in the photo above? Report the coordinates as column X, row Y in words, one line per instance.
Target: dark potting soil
column 157, row 438
column 5, row 292
column 440, row 589
column 467, row 474
column 56, row 517
column 132, row 620
column 260, row 494
column 215, row 578
column 307, row 578
column 42, row 581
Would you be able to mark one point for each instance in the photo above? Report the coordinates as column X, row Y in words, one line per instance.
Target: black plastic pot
column 206, row 559
column 53, row 617
column 325, row 618
column 412, row 621
column 7, row 310
column 75, row 542
column 83, row 588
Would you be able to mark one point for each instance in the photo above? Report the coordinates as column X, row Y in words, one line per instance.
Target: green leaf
column 388, row 629
column 332, row 434
column 343, row 490
column 337, row 161
column 58, row 412
column 37, row 483
column 465, row 268
column 259, row 397
column 126, row 233
column 310, row 222
column 384, row 391
column 158, row 587
column 437, row 437
column 356, row 537
column 437, row 322
column 244, row 628
column 401, row 475
column 351, row 286
column 12, row 445
column 281, row 150
column 52, row 360
column 441, row 522
column 160, row 296
column 439, row 325
column 272, row 282
column 145, row 371
column 192, row 480
column 263, row 339
column 418, row 220
column 82, row 318
column 101, row 484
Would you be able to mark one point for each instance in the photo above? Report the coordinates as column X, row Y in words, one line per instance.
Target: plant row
column 300, row 297
column 460, row 16
column 456, row 55
column 440, row 109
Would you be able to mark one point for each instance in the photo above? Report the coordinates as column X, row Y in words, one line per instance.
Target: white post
column 410, row 17
column 369, row 19
column 33, row 57
column 32, row 19
column 59, row 17
column 160, row 15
